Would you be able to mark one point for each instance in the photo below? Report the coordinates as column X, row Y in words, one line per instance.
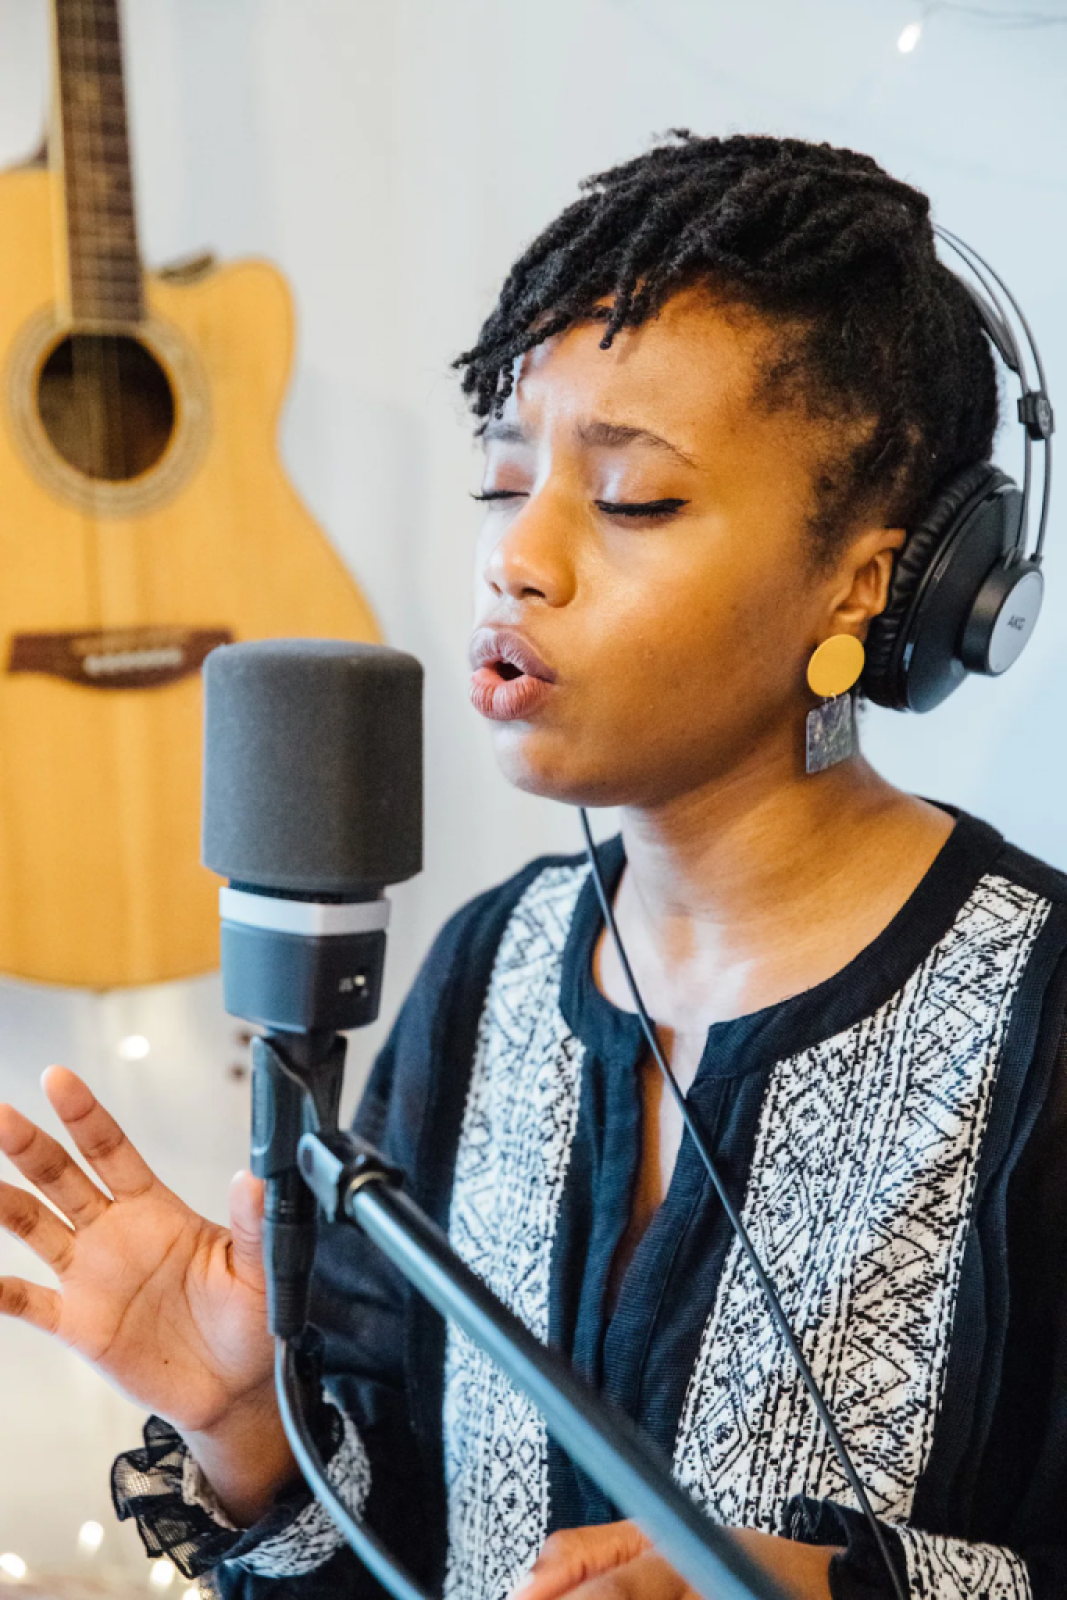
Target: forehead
column 691, row 373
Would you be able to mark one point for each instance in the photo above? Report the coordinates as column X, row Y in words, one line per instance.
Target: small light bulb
column 90, row 1536
column 909, row 38
column 134, row 1047
column 163, row 1573
column 12, row 1565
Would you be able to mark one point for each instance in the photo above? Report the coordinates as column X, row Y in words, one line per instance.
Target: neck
column 724, row 851
column 103, row 261
column 742, row 892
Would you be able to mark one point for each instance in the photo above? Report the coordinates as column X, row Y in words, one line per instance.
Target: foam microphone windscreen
column 312, row 766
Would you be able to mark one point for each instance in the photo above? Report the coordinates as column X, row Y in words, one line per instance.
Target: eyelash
column 610, row 508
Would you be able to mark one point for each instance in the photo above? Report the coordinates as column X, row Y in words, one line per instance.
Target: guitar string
column 97, row 386
column 85, row 399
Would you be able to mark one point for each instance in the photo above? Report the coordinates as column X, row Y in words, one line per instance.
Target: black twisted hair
column 873, row 331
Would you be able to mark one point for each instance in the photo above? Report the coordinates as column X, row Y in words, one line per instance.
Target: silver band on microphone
column 312, row 918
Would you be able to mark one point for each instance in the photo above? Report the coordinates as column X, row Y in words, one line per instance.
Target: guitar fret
column 106, row 281
column 107, row 140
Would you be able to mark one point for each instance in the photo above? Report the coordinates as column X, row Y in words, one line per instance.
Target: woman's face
column 647, row 596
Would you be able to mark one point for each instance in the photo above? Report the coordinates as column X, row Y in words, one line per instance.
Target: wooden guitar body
column 113, row 586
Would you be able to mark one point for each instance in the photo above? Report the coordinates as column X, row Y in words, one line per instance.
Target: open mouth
column 510, row 680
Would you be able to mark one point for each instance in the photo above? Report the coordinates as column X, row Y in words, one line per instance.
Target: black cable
column 374, row 1556
column 769, row 1291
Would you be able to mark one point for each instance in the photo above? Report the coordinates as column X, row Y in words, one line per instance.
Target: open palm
column 170, row 1307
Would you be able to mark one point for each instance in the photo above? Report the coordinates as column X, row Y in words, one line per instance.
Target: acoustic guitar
column 144, row 518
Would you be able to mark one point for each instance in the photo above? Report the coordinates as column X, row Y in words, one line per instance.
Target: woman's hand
column 617, row 1562
column 170, row 1307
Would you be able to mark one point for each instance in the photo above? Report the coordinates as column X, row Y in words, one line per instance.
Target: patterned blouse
column 896, row 1139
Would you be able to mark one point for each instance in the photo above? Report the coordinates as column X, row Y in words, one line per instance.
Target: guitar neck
column 104, row 262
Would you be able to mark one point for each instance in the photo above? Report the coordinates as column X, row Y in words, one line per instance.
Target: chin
column 545, row 765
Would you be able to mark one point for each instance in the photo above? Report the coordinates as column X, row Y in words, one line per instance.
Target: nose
column 532, row 557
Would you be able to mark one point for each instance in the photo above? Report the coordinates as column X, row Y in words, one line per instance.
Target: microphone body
column 312, row 805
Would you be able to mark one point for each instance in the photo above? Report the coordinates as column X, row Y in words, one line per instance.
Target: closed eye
column 640, row 508
column 610, row 508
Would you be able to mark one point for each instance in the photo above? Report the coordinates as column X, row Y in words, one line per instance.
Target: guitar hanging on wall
column 144, row 518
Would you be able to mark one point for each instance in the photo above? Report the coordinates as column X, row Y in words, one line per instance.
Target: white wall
column 393, row 155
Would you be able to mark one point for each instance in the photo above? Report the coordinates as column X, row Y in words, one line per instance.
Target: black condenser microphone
column 312, row 805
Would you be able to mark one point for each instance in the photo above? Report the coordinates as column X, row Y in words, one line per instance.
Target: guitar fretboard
column 104, row 259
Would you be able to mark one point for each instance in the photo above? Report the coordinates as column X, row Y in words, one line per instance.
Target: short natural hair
column 820, row 242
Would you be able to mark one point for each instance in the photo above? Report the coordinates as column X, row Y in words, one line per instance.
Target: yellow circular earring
column 830, row 736
column 836, row 665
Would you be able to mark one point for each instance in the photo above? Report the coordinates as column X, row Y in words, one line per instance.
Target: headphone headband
column 966, row 590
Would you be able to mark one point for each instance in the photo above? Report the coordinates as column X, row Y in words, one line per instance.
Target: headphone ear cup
column 892, row 636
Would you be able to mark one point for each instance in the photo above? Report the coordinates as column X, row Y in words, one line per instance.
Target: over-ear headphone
column 965, row 595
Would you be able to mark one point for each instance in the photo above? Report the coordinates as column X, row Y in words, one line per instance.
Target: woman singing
column 717, row 397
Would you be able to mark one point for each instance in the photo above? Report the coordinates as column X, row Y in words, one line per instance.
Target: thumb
column 246, row 1228
column 574, row 1555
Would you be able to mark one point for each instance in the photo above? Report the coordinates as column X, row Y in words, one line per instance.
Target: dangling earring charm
column 832, row 671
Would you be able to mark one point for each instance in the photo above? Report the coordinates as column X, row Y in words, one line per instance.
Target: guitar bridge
column 116, row 658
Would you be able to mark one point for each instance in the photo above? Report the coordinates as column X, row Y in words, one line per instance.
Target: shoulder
column 1029, row 872
column 439, row 1017
column 471, row 936
column 420, row 1075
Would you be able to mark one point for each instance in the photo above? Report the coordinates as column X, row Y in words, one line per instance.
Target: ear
column 861, row 586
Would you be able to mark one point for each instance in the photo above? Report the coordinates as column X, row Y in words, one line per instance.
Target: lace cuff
column 178, row 1514
column 147, row 1485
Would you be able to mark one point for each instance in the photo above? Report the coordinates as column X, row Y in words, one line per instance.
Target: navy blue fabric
column 998, row 1468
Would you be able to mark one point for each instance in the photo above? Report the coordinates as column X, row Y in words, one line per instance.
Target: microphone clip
column 336, row 1166
column 296, row 1089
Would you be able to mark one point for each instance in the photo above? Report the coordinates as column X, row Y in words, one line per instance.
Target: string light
column 90, row 1536
column 909, row 38
column 12, row 1565
column 163, row 1573
column 134, row 1047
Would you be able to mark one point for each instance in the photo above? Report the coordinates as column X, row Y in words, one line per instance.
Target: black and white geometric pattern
column 950, row 1569
column 513, row 1154
column 858, row 1204
column 859, row 1198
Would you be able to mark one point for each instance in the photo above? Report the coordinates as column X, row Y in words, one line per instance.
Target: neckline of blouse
column 790, row 1026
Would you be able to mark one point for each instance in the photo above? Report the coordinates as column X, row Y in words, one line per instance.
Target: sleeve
column 179, row 1517
column 1013, row 1543
column 929, row 1566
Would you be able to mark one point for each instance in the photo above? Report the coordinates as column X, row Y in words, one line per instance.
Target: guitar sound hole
column 106, row 405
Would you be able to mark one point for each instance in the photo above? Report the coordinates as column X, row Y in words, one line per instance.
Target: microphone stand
column 353, row 1183
column 305, row 988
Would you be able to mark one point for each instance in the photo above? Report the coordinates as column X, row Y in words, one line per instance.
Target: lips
column 510, row 681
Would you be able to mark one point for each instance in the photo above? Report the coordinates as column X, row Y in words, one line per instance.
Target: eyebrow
column 594, row 435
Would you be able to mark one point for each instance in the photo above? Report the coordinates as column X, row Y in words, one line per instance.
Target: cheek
column 732, row 630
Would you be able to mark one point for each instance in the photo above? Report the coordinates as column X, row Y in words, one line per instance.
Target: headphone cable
column 770, row 1293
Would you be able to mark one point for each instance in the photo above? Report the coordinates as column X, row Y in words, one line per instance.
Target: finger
column 30, row 1302
column 647, row 1577
column 97, row 1135
column 574, row 1555
column 29, row 1219
column 246, row 1229
column 49, row 1168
